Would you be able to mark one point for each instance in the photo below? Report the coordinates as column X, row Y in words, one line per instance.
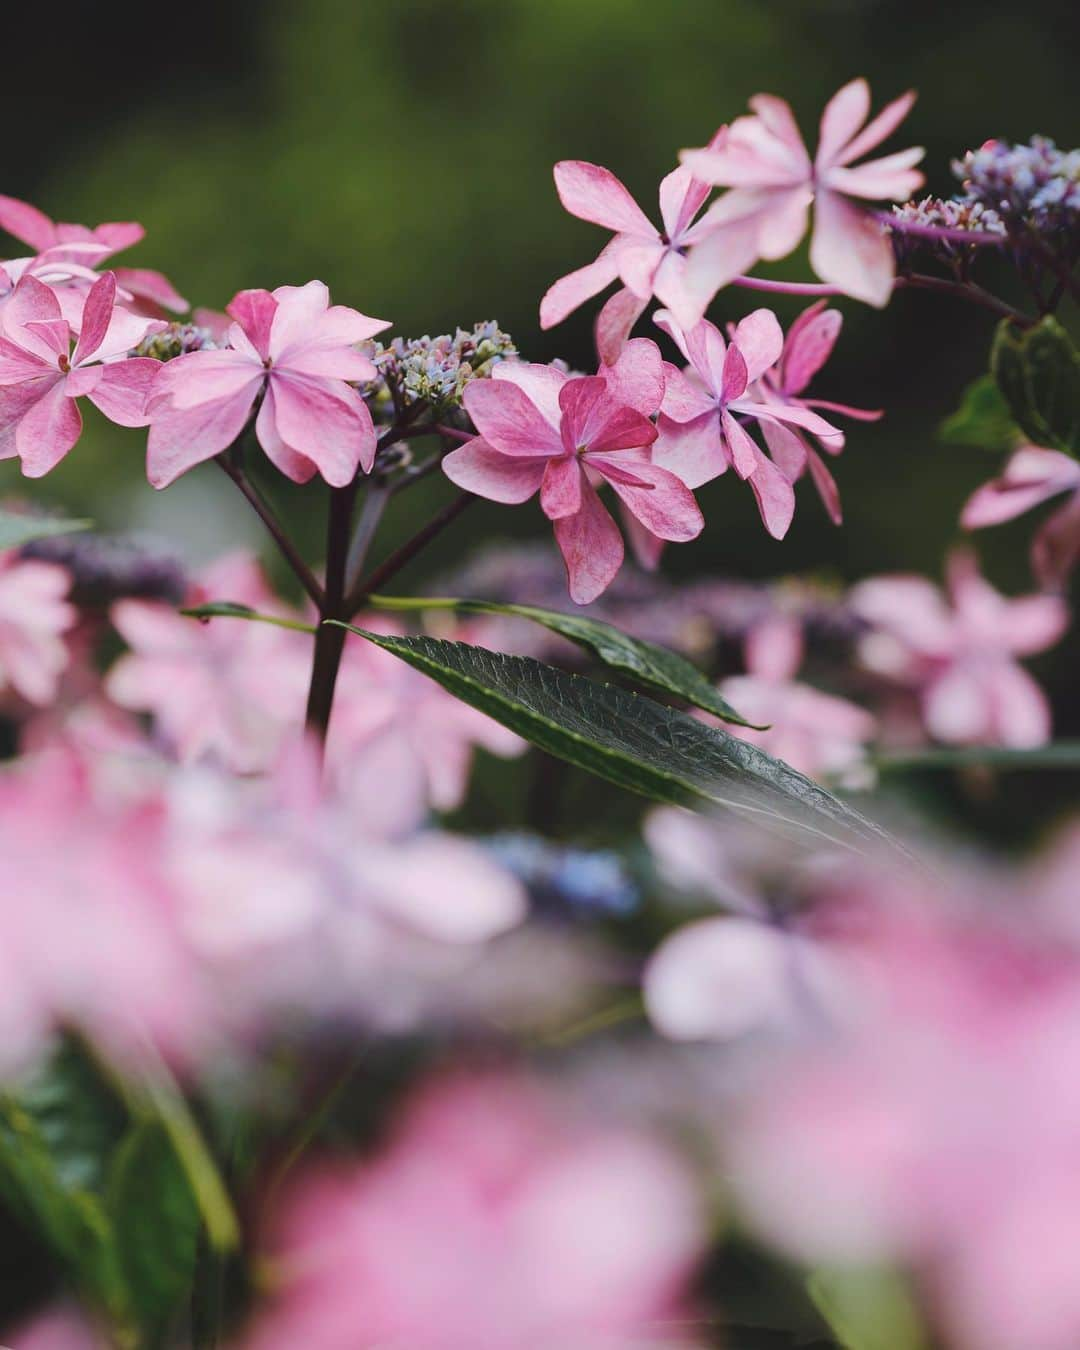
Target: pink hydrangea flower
column 647, row 260
column 701, row 419
column 765, row 163
column 1032, row 476
column 491, row 1219
column 52, row 238
column 297, row 351
column 807, row 346
column 34, row 615
column 818, row 734
column 41, row 377
column 960, row 652
column 542, row 430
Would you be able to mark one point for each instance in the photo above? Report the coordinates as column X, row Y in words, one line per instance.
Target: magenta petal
column 593, row 193
column 478, row 467
column 509, row 420
column 254, row 311
column 850, row 250
column 615, row 322
column 572, row 290
column 560, row 491
column 1055, row 550
column 327, row 422
column 123, row 388
column 594, row 419
column 734, row 376
column 47, row 431
column 826, row 486
column 808, row 345
column 693, row 451
column 775, row 496
column 663, row 504
column 743, row 452
column 591, row 546
column 180, row 440
column 97, row 312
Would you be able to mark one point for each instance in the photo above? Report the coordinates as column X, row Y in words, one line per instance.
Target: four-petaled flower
column 41, row 377
column 701, row 428
column 542, row 430
column 765, row 163
column 296, row 350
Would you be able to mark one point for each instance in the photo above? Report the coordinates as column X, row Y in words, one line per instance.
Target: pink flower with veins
column 647, row 260
column 959, row 651
column 297, row 351
column 52, row 238
column 491, row 1219
column 807, row 346
column 542, row 430
column 772, row 181
column 1032, row 476
column 41, row 377
column 701, row 427
column 818, row 734
column 34, row 614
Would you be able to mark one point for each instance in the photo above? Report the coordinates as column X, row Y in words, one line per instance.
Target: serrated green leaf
column 17, row 529
column 983, row 419
column 645, row 662
column 867, row 1309
column 156, row 1221
column 631, row 740
column 1038, row 373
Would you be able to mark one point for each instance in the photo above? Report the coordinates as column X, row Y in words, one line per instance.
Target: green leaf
column 17, row 529
column 1058, row 755
column 1038, row 373
column 867, row 1309
column 645, row 662
column 632, row 741
column 229, row 609
column 983, row 419
column 156, row 1222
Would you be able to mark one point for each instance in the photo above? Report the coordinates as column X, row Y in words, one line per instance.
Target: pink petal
column 670, row 288
column 615, row 322
column 1032, row 623
column 327, row 361
column 783, row 224
column 850, row 250
column 844, row 114
column 775, row 496
column 327, row 422
column 1055, row 550
column 205, row 377
column 27, row 223
column 636, row 378
column 96, row 315
column 878, row 128
column 509, row 420
column 540, row 383
column 664, row 505
column 681, row 197
column 775, row 113
column 299, row 310
column 774, row 649
column 15, row 402
column 787, row 448
column 735, row 376
column 47, row 431
column 760, row 339
column 180, row 440
column 146, row 284
column 892, row 177
column 295, row 466
column 478, row 467
column 685, row 399
column 1020, row 711
column 572, row 290
column 560, row 491
column 123, row 389
column 18, row 365
column 82, row 380
column 693, row 451
column 808, row 345
column 744, row 454
column 593, row 193
column 254, row 311
column 591, row 546
column 638, row 265
column 826, row 487
column 593, row 419
column 645, row 546
column 53, row 335
column 794, row 413
column 719, row 257
column 118, row 234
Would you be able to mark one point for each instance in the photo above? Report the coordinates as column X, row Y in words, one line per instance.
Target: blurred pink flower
column 959, row 651
column 222, row 689
column 296, row 350
column 41, row 378
column 818, row 734
column 1032, row 476
column 541, row 429
column 491, row 1221
column 701, row 422
column 807, row 346
column 59, row 1328
column 765, row 163
column 34, row 614
column 647, row 260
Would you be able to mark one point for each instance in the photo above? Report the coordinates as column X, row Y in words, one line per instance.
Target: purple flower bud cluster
column 178, row 339
column 1035, row 184
column 108, row 567
column 435, row 370
column 939, row 213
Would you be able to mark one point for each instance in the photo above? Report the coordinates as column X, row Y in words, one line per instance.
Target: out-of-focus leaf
column 1038, row 373
column 867, row 1309
column 156, row 1222
column 17, row 529
column 646, row 663
column 983, row 418
column 1057, row 755
column 229, row 609
column 632, row 741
